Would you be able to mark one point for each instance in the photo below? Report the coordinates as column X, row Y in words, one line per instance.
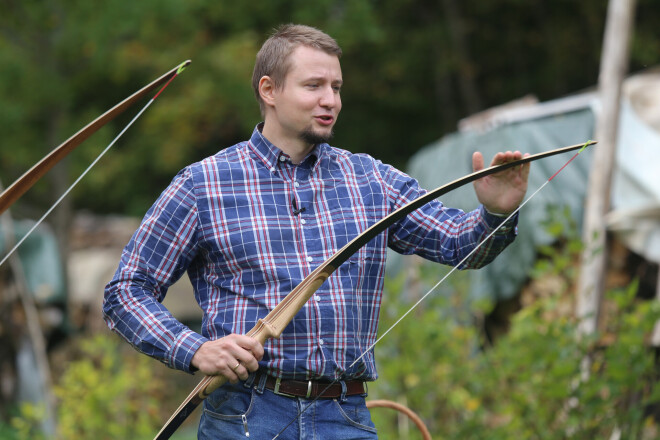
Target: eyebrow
column 323, row 78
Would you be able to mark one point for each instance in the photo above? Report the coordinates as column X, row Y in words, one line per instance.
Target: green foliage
column 412, row 68
column 538, row 381
column 65, row 62
column 559, row 259
column 107, row 395
column 7, row 432
column 25, row 425
column 107, row 392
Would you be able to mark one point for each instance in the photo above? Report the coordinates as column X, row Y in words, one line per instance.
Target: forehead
column 308, row 61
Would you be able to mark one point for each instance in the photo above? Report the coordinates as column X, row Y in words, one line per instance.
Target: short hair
column 273, row 57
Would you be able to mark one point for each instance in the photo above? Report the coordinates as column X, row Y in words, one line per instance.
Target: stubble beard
column 312, row 137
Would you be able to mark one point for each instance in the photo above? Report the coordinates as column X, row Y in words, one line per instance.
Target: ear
column 267, row 90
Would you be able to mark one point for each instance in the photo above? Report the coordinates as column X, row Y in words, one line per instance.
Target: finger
column 517, row 155
column 247, row 360
column 509, row 156
column 231, row 374
column 477, row 161
column 239, row 370
column 244, row 350
column 235, row 369
column 499, row 159
column 525, row 168
column 251, row 345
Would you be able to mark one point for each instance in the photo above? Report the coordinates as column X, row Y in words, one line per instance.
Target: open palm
column 501, row 193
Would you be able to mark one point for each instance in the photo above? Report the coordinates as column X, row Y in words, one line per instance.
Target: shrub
column 107, row 395
column 540, row 380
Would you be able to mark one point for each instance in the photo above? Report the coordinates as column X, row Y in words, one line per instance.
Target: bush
column 537, row 381
column 105, row 395
column 528, row 384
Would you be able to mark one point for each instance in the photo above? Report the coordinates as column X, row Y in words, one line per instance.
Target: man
column 248, row 225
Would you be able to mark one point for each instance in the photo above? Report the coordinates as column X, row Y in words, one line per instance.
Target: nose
column 330, row 97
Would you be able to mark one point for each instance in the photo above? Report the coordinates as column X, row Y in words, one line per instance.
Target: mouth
column 324, row 119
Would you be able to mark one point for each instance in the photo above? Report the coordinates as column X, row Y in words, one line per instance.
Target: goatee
column 311, row 137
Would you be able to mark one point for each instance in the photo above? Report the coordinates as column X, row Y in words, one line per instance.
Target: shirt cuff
column 494, row 220
column 183, row 350
column 495, row 213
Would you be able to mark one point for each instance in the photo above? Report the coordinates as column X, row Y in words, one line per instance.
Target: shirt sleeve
column 442, row 234
column 156, row 256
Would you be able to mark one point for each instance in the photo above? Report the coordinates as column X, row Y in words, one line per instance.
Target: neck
column 293, row 146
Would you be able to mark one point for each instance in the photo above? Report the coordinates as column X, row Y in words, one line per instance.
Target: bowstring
column 431, row 290
column 73, row 185
column 88, row 169
column 456, row 267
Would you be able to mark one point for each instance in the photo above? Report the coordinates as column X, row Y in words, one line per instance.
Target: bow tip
column 183, row 66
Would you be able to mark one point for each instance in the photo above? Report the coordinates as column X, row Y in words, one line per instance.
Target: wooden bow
column 25, row 182
column 274, row 323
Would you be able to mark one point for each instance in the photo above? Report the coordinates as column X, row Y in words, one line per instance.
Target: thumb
column 477, row 161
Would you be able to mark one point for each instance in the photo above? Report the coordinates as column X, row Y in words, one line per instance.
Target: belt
column 314, row 389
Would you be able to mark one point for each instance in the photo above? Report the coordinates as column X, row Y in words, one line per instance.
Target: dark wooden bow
column 25, row 182
column 274, row 323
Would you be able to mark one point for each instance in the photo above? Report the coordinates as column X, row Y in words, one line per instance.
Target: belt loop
column 343, row 391
column 262, row 383
column 366, row 389
column 250, row 380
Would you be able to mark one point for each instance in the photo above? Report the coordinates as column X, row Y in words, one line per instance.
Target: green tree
column 412, row 68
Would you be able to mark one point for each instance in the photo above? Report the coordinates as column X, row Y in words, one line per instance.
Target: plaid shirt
column 248, row 225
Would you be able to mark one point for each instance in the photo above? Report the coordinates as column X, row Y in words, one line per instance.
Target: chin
column 316, row 137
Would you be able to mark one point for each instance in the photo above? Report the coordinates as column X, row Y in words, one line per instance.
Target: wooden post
column 35, row 334
column 613, row 68
column 655, row 337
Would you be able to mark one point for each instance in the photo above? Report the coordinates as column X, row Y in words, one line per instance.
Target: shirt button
column 309, row 259
column 302, row 220
column 317, row 298
column 282, row 158
column 320, row 341
column 296, row 184
column 272, row 170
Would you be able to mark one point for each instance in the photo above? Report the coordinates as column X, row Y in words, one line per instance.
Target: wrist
column 496, row 214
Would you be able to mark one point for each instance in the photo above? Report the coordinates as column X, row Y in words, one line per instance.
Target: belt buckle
column 277, row 391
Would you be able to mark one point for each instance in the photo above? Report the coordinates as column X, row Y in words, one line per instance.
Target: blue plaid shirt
column 249, row 225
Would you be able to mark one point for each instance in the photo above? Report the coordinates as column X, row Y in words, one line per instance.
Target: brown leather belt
column 313, row 389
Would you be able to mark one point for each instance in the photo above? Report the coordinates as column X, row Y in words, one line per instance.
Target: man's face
column 308, row 103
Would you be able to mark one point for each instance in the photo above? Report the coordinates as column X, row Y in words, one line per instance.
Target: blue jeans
column 233, row 411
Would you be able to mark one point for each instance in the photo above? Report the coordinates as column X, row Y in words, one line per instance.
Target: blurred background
column 497, row 354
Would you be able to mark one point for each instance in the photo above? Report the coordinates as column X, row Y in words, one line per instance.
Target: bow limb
column 274, row 323
column 25, row 182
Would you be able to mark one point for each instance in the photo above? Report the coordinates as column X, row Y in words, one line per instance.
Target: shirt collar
column 272, row 155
